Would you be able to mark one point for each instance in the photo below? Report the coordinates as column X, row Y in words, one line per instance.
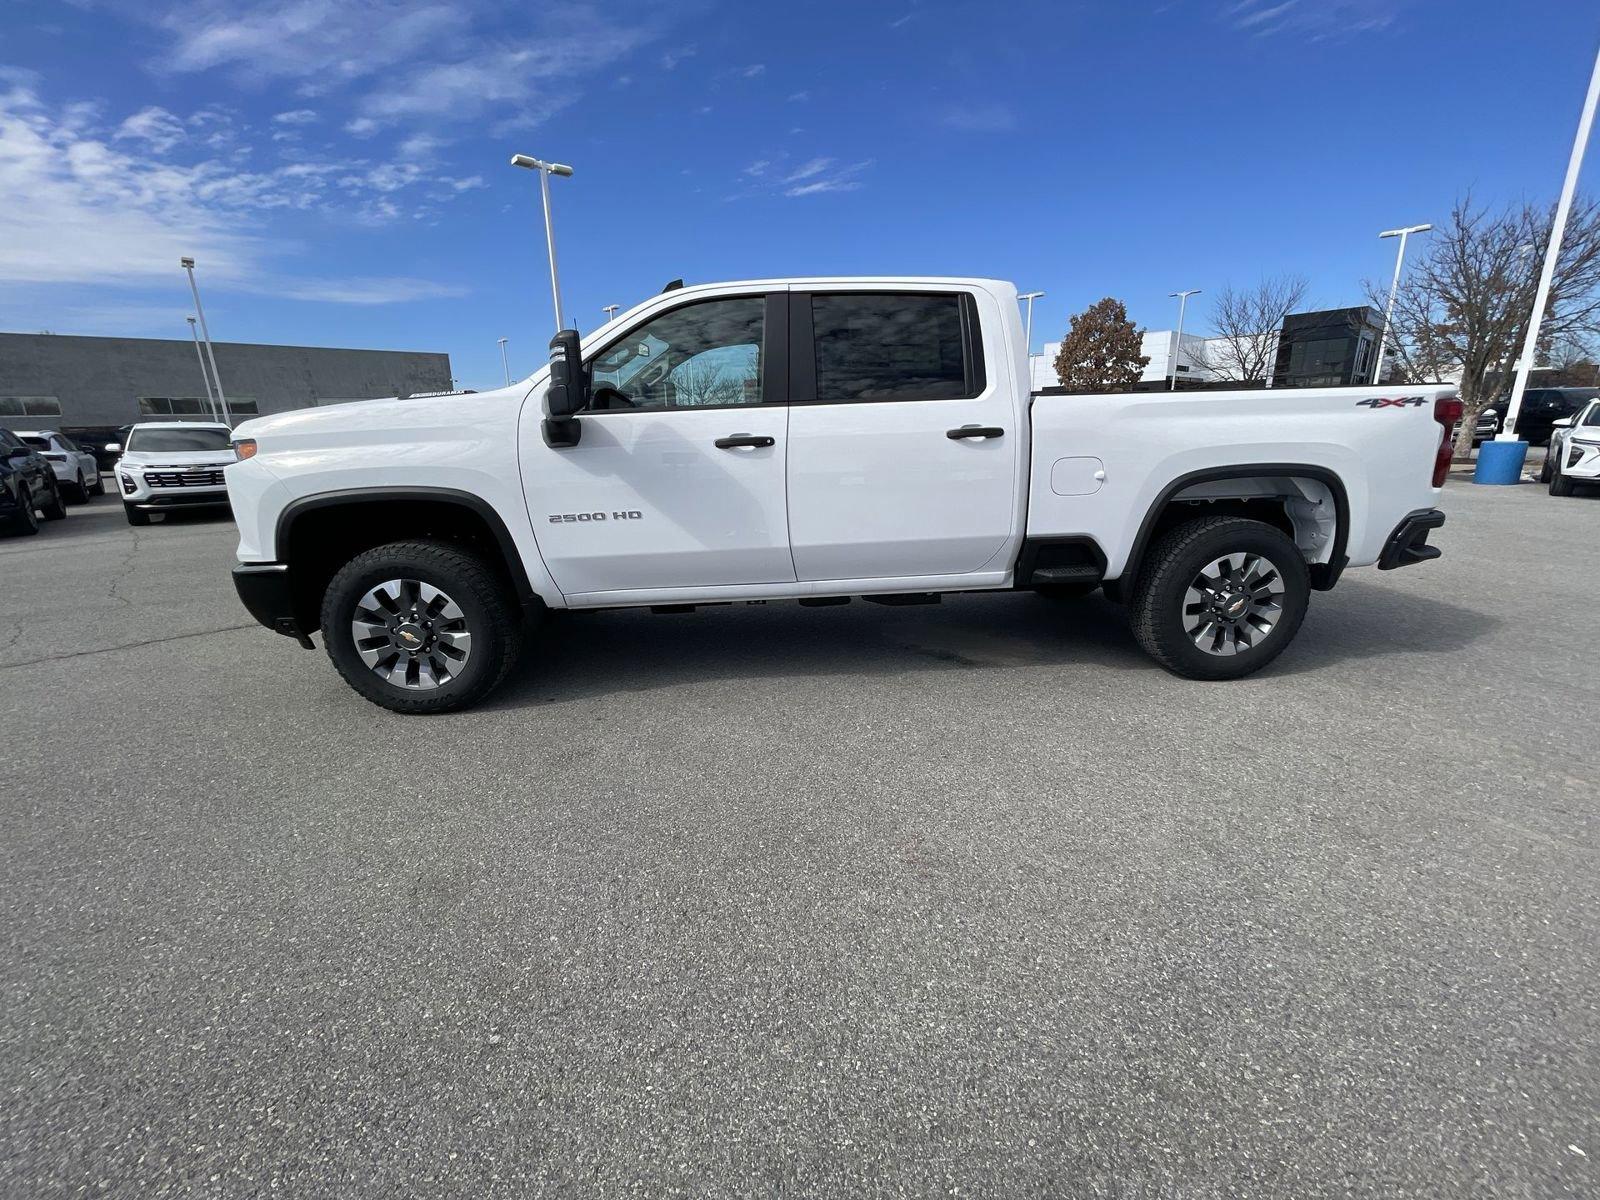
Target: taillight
column 1447, row 411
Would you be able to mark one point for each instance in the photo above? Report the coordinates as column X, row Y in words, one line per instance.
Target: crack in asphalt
column 126, row 564
column 177, row 637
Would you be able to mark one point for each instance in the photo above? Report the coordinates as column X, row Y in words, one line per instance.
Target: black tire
column 1544, row 469
column 136, row 516
column 26, row 522
column 99, row 484
column 1159, row 613
column 1067, row 591
column 1560, row 484
column 54, row 508
column 79, row 490
column 490, row 614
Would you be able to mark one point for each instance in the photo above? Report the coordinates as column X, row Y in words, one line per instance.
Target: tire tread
column 500, row 606
column 1154, row 635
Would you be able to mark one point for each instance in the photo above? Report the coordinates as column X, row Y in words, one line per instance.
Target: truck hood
column 311, row 426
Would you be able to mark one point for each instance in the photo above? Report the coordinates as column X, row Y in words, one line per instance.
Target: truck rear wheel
column 420, row 627
column 1219, row 598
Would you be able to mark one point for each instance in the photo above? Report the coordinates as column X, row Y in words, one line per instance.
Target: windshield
column 176, row 441
column 1591, row 419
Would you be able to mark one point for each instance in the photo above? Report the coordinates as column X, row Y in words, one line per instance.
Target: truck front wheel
column 420, row 627
column 1219, row 598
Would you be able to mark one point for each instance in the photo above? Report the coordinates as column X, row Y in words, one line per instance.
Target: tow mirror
column 568, row 392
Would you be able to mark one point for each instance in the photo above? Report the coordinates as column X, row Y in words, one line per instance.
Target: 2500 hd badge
column 632, row 514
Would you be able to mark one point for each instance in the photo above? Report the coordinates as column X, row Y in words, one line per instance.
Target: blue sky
column 339, row 167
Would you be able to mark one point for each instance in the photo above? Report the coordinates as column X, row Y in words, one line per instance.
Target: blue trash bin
column 1500, row 462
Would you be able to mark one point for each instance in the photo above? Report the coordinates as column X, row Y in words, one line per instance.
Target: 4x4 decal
column 1376, row 402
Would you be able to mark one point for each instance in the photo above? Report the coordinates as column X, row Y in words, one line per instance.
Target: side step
column 1076, row 573
column 896, row 599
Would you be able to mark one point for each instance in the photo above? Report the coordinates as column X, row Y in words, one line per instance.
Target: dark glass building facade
column 1331, row 348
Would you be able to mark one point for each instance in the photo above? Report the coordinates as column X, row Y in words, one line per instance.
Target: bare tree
column 1464, row 304
column 1247, row 322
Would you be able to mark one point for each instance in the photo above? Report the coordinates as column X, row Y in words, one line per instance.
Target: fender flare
column 1323, row 575
column 477, row 505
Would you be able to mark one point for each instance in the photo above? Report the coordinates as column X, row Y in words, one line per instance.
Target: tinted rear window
column 889, row 347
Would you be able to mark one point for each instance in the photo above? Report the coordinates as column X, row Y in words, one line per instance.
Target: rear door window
column 895, row 346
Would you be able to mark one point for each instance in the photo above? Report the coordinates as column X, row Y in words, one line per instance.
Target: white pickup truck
column 816, row 440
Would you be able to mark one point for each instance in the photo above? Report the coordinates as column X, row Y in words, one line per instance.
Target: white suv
column 1574, row 454
column 77, row 471
column 173, row 464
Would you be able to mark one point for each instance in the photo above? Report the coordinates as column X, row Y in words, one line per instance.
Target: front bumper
column 154, row 500
column 1409, row 542
column 1580, row 460
column 265, row 592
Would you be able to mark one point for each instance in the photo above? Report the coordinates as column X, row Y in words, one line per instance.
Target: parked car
column 77, row 470
column 1541, row 409
column 173, row 464
column 1574, row 455
column 817, row 440
column 28, row 486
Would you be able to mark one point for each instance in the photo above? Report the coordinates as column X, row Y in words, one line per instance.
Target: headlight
column 127, row 482
column 1591, row 443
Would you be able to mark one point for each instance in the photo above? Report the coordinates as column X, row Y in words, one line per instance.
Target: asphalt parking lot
column 766, row 900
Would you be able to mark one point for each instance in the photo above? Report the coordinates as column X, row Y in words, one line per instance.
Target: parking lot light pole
column 1394, row 287
column 1030, row 297
column 610, row 311
column 504, row 365
column 187, row 264
column 205, row 376
column 1552, row 253
column 545, row 171
column 1177, row 348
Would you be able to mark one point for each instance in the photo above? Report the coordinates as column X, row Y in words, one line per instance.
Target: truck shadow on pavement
column 581, row 656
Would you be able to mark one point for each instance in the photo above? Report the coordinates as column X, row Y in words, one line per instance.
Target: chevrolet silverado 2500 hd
column 816, row 440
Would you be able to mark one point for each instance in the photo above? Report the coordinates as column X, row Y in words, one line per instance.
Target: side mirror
column 113, row 447
column 1563, row 423
column 568, row 392
column 20, row 452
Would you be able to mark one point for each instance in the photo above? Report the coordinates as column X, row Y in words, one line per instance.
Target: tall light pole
column 1177, row 348
column 545, row 171
column 504, row 365
column 1394, row 286
column 1030, row 297
column 211, row 400
column 222, row 400
column 1551, row 254
column 610, row 311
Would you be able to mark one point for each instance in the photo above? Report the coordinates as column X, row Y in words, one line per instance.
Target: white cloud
column 298, row 116
column 1328, row 20
column 155, row 126
column 753, row 70
column 814, row 167
column 823, row 185
column 799, row 97
column 367, row 291
column 671, row 58
column 981, row 118
column 361, row 127
column 341, row 39
column 75, row 210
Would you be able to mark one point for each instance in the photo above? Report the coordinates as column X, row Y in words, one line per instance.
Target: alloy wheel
column 1233, row 603
column 411, row 634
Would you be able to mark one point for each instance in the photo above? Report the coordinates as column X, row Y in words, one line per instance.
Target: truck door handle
column 974, row 431
column 744, row 439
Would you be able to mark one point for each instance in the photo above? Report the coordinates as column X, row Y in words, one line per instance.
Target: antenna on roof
column 672, row 287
